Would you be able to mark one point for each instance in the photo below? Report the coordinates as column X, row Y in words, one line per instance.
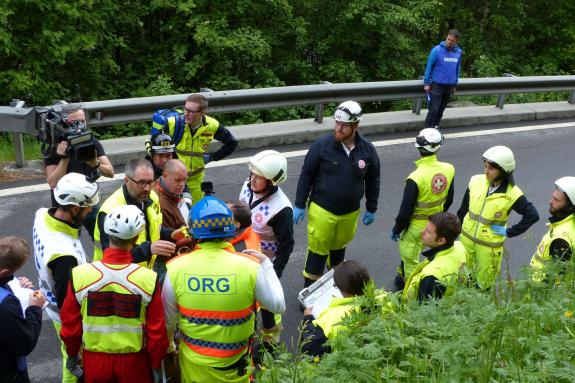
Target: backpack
column 161, row 117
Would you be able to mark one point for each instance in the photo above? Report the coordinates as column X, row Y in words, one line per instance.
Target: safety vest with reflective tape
column 113, row 301
column 214, row 289
column 191, row 148
column 445, row 266
column 52, row 239
column 263, row 213
column 150, row 233
column 330, row 319
column 433, row 179
column 565, row 230
column 486, row 210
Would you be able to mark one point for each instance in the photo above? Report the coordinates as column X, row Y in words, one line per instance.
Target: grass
column 522, row 331
column 8, row 153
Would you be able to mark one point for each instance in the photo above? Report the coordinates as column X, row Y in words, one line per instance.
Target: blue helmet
column 211, row 218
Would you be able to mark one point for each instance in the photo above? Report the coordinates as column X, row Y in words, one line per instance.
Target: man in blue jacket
column 441, row 77
column 338, row 170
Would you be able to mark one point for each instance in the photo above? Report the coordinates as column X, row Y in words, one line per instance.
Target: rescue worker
column 558, row 244
column 338, row 170
column 485, row 210
column 351, row 279
column 244, row 237
column 137, row 190
column 211, row 294
column 113, row 310
column 272, row 220
column 19, row 330
column 57, row 245
column 438, row 274
column 161, row 149
column 428, row 190
column 193, row 138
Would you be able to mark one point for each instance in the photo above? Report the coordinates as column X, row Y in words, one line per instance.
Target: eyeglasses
column 191, row 111
column 142, row 183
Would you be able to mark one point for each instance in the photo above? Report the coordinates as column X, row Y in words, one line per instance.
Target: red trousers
column 100, row 367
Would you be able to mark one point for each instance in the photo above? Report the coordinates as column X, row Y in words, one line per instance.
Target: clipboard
column 23, row 294
column 320, row 294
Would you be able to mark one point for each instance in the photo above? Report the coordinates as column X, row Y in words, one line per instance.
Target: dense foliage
column 104, row 49
column 524, row 332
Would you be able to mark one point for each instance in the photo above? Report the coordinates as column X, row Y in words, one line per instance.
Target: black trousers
column 440, row 95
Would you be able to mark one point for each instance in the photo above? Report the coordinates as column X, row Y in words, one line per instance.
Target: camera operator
column 60, row 162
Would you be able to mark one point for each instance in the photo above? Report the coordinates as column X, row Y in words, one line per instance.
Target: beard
column 341, row 137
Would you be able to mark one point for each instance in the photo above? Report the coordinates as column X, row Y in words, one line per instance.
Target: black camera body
column 55, row 128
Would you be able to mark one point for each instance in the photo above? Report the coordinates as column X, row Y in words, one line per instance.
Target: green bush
column 521, row 332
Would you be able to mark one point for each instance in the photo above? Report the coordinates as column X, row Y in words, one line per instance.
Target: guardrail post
column 501, row 98
column 320, row 108
column 19, row 149
column 417, row 102
column 18, row 138
column 572, row 98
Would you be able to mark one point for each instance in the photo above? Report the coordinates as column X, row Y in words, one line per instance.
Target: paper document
column 320, row 294
column 22, row 293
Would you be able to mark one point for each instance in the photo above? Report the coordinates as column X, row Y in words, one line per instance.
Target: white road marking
column 300, row 153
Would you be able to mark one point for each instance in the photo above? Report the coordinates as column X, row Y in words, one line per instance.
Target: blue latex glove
column 207, row 158
column 499, row 230
column 298, row 215
column 368, row 218
column 394, row 237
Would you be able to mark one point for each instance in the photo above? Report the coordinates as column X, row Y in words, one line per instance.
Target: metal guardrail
column 101, row 113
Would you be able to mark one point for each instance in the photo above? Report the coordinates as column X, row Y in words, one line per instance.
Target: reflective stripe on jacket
column 214, row 289
column 433, row 179
column 565, row 230
column 153, row 219
column 486, row 210
column 445, row 266
column 113, row 301
column 191, row 148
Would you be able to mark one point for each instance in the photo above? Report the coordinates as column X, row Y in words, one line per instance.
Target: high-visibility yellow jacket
column 433, row 179
column 330, row 319
column 565, row 230
column 485, row 211
column 191, row 148
column 113, row 301
column 214, row 288
column 445, row 266
column 150, row 233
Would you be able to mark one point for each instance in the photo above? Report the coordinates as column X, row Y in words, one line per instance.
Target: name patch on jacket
column 450, row 59
column 211, row 284
column 109, row 303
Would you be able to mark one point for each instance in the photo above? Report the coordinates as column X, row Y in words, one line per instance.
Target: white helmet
column 348, row 112
column 502, row 156
column 567, row 186
column 124, row 222
column 75, row 189
column 271, row 165
column 429, row 139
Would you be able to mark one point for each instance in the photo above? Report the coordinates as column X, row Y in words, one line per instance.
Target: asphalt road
column 542, row 156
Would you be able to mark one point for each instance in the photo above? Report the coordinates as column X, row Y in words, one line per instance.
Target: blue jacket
column 337, row 182
column 443, row 65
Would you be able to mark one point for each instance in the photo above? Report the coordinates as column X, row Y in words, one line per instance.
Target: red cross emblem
column 438, row 183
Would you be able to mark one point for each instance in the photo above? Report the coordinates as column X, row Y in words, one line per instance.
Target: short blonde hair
column 14, row 252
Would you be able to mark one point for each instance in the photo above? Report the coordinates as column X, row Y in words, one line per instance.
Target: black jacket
column 337, row 182
column 18, row 335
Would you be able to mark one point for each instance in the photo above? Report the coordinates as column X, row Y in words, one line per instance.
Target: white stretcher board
column 320, row 294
